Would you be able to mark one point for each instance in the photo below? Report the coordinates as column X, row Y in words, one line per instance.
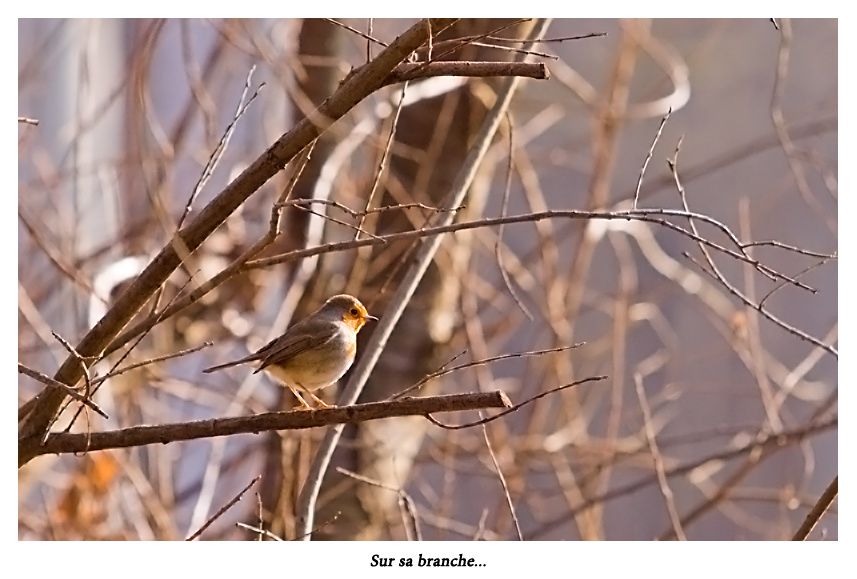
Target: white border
column 569, row 559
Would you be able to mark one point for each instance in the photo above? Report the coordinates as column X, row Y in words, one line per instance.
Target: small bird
column 314, row 352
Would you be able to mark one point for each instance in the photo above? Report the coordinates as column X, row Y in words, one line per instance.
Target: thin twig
column 502, row 481
column 154, row 360
column 222, row 145
column 368, row 36
column 504, row 206
column 546, row 40
column 48, row 381
column 824, row 501
column 716, row 274
column 782, row 284
column 353, row 213
column 356, row 228
column 369, row 40
column 259, row 531
column 407, row 506
column 658, row 459
column 322, row 525
column 516, row 406
column 446, row 369
column 223, row 509
column 747, row 302
column 649, row 156
column 382, row 163
column 88, row 391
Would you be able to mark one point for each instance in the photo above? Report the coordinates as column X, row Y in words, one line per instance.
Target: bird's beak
column 368, row 317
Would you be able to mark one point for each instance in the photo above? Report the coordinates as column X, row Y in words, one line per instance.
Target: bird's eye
column 354, row 312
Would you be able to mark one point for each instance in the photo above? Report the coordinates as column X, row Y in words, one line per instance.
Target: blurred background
column 130, row 113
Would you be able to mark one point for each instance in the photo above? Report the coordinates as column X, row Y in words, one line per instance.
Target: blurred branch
column 771, row 442
column 399, row 301
column 503, row 483
column 658, row 459
column 407, row 506
column 297, row 419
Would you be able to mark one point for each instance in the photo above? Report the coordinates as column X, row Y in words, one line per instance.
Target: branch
column 812, row 518
column 353, row 90
column 414, row 70
column 223, row 509
column 296, row 419
column 244, row 263
column 50, row 382
column 399, row 301
column 770, row 442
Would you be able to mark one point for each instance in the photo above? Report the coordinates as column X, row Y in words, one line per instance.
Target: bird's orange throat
column 355, row 323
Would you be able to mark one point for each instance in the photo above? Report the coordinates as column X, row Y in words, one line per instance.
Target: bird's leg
column 321, row 403
column 303, row 405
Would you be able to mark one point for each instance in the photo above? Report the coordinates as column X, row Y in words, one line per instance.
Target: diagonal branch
column 821, row 506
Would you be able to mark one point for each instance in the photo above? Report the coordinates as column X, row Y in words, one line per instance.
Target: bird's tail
column 228, row 364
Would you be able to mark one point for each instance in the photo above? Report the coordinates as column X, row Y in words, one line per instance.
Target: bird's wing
column 300, row 338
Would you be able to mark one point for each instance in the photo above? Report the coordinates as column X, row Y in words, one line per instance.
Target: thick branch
column 296, row 419
column 417, row 70
column 352, row 91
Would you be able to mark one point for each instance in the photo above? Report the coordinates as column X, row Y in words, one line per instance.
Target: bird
column 314, row 352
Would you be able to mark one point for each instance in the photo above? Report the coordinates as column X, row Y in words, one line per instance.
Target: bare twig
column 259, row 531
column 385, row 208
column 48, row 381
column 502, row 482
column 220, row 149
column 649, row 156
column 150, row 361
column 382, row 163
column 516, row 406
column 658, row 459
column 719, row 277
column 447, row 369
column 504, row 206
column 223, row 509
column 368, row 36
column 407, row 506
column 824, row 501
